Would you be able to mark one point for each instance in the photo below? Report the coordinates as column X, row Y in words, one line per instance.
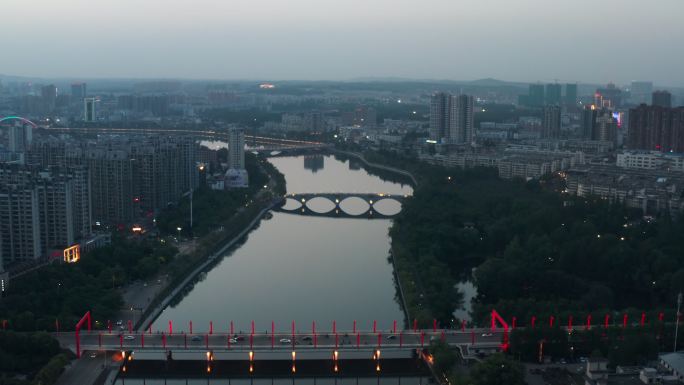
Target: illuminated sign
column 72, row 254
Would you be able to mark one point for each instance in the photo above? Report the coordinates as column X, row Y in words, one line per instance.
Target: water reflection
column 301, row 268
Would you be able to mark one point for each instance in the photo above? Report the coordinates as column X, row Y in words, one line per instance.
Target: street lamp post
column 179, row 230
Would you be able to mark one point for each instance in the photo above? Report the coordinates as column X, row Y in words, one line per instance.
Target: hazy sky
column 524, row 40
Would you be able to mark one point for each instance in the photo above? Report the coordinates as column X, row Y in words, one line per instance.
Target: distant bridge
column 337, row 198
column 254, row 143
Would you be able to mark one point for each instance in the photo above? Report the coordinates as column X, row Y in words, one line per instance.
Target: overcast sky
column 521, row 40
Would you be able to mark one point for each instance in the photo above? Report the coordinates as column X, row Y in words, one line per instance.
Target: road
column 484, row 338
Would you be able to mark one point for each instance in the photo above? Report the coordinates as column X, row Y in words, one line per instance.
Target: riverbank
column 212, row 246
column 379, row 166
column 168, row 295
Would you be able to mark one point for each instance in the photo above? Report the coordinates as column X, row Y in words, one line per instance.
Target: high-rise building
column 662, row 99
column 78, row 91
column 111, row 175
column 571, row 95
column 606, row 127
column 439, row 116
column 536, row 95
column 551, row 122
column 20, row 138
column 553, row 94
column 461, row 119
column 656, row 128
column 589, row 115
column 452, row 118
column 640, row 92
column 41, row 210
column 236, row 149
column 19, row 224
column 609, row 97
column 49, row 95
column 89, row 112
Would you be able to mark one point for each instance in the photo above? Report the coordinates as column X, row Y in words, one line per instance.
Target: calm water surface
column 301, row 268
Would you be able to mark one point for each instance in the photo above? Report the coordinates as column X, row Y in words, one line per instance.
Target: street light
column 179, row 230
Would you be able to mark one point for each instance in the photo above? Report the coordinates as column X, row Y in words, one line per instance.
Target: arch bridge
column 336, row 199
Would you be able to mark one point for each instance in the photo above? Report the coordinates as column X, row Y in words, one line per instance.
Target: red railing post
column 190, row 327
column 375, row 324
column 606, row 320
column 211, row 327
column 624, row 320
column 170, row 327
column 534, row 321
column 588, row 327
column 394, row 327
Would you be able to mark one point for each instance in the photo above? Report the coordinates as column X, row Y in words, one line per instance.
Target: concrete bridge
column 336, row 199
column 254, row 143
column 308, row 344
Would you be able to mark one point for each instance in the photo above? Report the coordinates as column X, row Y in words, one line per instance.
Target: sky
column 596, row 41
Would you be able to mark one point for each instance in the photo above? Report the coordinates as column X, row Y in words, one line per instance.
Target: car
column 233, row 340
column 563, row 361
column 93, row 355
column 306, row 338
column 129, row 337
column 285, row 341
column 119, row 322
column 196, row 338
column 392, row 337
column 487, row 334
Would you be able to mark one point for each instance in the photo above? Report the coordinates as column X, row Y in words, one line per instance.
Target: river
column 303, row 268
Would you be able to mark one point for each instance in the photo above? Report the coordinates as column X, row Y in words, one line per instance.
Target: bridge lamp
column 377, row 354
column 294, row 355
column 251, row 356
column 336, row 355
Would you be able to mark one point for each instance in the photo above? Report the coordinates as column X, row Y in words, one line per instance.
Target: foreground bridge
column 336, row 199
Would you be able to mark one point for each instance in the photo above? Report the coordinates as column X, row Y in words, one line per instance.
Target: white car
column 233, row 340
column 129, row 338
column 285, row 341
column 487, row 334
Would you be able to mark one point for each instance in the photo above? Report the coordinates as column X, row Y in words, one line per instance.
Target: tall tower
column 89, row 114
column 662, row 99
column 551, row 123
column 553, row 94
column 461, row 119
column 236, row 149
column 439, row 116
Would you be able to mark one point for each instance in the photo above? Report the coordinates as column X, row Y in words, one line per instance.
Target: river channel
column 303, row 268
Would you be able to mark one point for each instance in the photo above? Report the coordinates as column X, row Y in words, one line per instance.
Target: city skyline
column 580, row 41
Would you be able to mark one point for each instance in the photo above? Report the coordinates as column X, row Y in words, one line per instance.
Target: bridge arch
column 7, row 118
column 339, row 204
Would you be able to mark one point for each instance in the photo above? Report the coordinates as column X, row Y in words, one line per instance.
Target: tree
column 496, row 370
column 444, row 357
